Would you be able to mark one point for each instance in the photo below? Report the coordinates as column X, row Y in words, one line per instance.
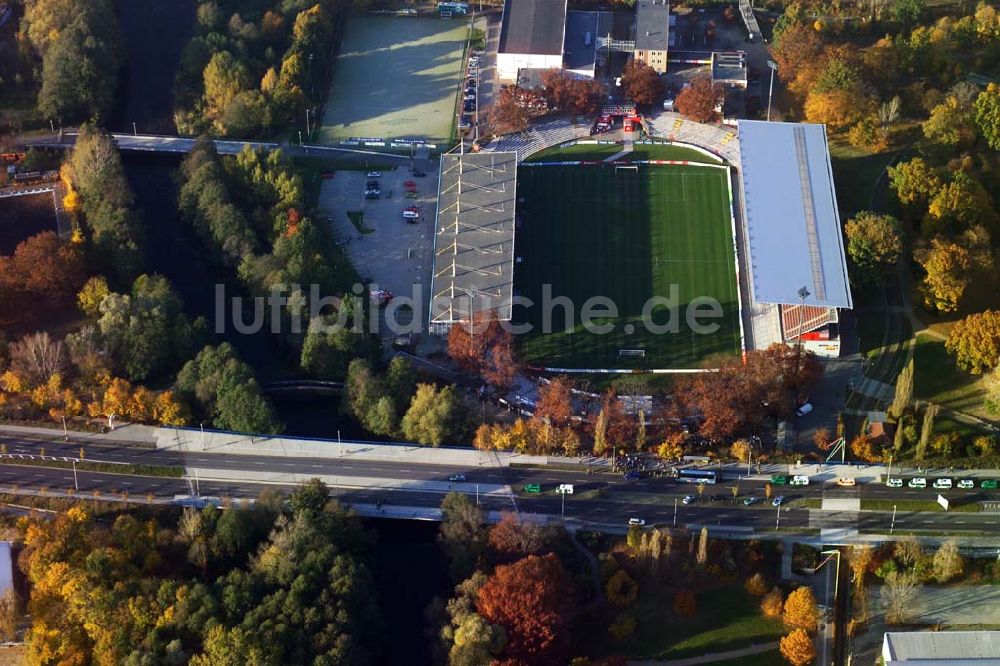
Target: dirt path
column 711, row 658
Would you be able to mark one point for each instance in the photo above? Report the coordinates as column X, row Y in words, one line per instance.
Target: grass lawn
column 600, row 151
column 727, row 618
column 855, row 173
column 396, row 77
column 628, row 236
column 919, row 505
column 937, row 379
column 772, row 658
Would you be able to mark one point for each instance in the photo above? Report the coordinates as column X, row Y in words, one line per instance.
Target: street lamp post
column 892, row 525
column 888, row 472
column 773, row 67
column 836, row 581
column 675, row 512
column 76, row 482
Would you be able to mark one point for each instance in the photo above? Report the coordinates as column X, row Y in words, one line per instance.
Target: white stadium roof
column 790, row 209
column 942, row 648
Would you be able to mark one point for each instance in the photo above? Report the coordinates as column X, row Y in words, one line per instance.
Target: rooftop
column 652, row 25
column 730, row 67
column 578, row 55
column 535, row 27
column 474, row 236
column 792, row 222
column 942, row 648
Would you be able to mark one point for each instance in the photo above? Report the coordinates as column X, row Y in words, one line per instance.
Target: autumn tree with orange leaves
column 700, row 102
column 798, row 648
column 44, row 272
column 642, row 84
column 484, row 347
column 513, row 536
column 555, row 402
column 532, row 600
column 573, row 95
column 730, row 401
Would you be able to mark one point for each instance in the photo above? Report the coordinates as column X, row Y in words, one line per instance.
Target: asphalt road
column 515, row 476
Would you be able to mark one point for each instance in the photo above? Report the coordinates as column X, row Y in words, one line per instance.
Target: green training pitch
column 595, row 230
column 396, row 77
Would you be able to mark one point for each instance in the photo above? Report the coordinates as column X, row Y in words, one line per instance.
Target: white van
column 942, row 484
column 799, row 480
column 565, row 488
column 917, row 482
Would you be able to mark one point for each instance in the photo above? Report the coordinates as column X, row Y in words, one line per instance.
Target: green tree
column 226, row 391
column 908, row 12
column 915, row 181
column 926, row 430
column 95, row 169
column 329, row 345
column 988, row 115
column 146, row 331
column 462, row 534
column 434, row 416
column 874, row 244
column 904, row 391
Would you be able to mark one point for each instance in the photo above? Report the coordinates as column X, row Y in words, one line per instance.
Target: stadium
column 741, row 228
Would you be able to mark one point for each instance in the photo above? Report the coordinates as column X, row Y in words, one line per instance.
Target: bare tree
column 898, row 593
column 36, row 357
column 888, row 112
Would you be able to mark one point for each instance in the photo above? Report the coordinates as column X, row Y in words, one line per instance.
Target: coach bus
column 453, row 7
column 695, row 475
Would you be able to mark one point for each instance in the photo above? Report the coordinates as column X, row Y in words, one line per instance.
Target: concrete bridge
column 152, row 143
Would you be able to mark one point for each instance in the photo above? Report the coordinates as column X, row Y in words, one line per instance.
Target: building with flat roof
column 532, row 34
column 583, row 33
column 795, row 250
column 474, row 237
column 652, row 33
column 941, row 648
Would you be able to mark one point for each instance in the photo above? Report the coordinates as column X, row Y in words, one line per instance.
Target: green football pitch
column 629, row 236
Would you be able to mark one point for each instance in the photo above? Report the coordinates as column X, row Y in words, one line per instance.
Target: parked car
column 989, row 484
column 804, row 409
column 917, row 482
column 419, row 174
column 636, row 521
column 457, row 477
column 799, row 480
column 779, row 480
column 373, row 194
column 750, row 500
column 411, row 214
column 778, row 501
column 718, row 498
column 689, row 499
column 894, row 483
column 632, row 475
column 942, row 484
column 846, row 482
column 966, row 484
column 374, row 174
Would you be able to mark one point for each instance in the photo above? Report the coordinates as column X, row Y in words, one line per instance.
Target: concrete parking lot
column 388, row 253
